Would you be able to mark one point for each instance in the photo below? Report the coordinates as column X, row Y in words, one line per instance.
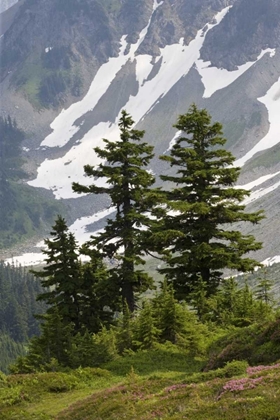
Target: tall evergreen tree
column 146, row 333
column 203, row 207
column 61, row 275
column 264, row 286
column 55, row 342
column 128, row 186
column 79, row 292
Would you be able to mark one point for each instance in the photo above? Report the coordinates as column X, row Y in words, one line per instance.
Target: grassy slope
column 166, row 385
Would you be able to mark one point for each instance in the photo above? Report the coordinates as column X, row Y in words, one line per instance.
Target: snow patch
column 58, row 174
column 176, row 63
column 258, row 181
column 271, row 260
column 78, row 228
column 173, row 141
column 143, row 68
column 28, row 259
column 6, row 4
column 64, row 125
column 272, row 102
column 157, row 4
column 256, row 195
column 215, row 79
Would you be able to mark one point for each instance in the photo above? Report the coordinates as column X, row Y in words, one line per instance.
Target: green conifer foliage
column 97, row 300
column 146, row 333
column 203, row 207
column 78, row 291
column 61, row 275
column 55, row 343
column 128, row 183
column 199, row 300
column 264, row 286
column 9, row 351
column 235, row 305
column 125, row 331
column 171, row 317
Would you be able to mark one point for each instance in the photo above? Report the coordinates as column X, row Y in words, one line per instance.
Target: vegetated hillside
column 162, row 384
column 165, row 360
column 18, row 305
column 154, row 59
column 269, row 273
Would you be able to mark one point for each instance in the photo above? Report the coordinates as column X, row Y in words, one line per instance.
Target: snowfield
column 6, row 4
column 176, row 61
column 215, row 79
column 272, row 102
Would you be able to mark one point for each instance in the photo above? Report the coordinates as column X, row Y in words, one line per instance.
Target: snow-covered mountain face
column 153, row 58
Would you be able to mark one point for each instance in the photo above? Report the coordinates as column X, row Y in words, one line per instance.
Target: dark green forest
column 18, row 305
column 95, row 313
column 95, row 305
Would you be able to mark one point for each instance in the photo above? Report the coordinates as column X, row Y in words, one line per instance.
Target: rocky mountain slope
column 68, row 67
column 7, row 4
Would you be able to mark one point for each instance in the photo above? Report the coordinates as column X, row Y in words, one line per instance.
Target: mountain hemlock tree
column 264, row 286
column 62, row 274
column 79, row 292
column 146, row 333
column 128, row 183
column 203, row 207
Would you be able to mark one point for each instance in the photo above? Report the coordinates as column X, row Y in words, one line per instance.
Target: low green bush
column 3, row 378
column 61, row 382
column 235, row 368
column 88, row 374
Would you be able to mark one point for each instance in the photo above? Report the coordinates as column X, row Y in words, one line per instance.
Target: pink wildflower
column 175, row 387
column 256, row 369
column 241, row 384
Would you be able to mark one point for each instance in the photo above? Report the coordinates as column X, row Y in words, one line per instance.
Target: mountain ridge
column 154, row 59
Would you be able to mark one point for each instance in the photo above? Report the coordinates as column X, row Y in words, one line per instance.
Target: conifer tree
column 170, row 315
column 128, row 184
column 61, row 275
column 199, row 301
column 79, row 292
column 97, row 299
column 55, row 342
column 146, row 332
column 203, row 207
column 125, row 330
column 264, row 286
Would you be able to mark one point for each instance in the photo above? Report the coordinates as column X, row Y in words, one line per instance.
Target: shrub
column 87, row 374
column 3, row 378
column 235, row 368
column 60, row 382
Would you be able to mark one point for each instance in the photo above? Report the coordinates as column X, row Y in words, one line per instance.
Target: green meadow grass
column 144, row 386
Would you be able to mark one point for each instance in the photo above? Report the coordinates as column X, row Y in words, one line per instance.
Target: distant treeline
column 18, row 292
